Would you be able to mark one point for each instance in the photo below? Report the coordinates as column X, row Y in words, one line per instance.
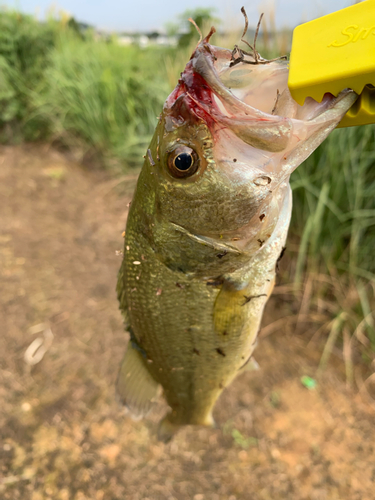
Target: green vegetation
column 95, row 96
column 102, row 96
column 334, row 192
column 24, row 51
column 203, row 18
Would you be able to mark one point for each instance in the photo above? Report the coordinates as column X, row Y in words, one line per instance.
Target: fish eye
column 183, row 162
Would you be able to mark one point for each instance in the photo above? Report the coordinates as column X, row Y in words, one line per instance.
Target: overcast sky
column 153, row 14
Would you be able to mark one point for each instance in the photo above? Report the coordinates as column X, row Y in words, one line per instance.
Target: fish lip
column 203, row 62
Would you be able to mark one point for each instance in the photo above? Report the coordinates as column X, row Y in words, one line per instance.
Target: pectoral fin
column 249, row 366
column 136, row 388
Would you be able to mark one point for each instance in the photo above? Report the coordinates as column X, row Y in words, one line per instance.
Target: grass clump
column 24, row 49
column 335, row 193
column 334, row 219
column 103, row 97
column 92, row 95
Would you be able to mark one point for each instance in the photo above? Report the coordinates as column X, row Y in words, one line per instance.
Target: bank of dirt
column 62, row 434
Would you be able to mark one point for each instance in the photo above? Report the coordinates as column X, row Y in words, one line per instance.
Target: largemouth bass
column 206, row 227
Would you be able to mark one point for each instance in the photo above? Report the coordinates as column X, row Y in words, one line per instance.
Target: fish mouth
column 252, row 100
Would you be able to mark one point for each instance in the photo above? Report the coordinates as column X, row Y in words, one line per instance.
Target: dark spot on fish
column 195, row 351
column 268, row 280
column 178, row 285
column 280, row 257
column 225, row 332
column 249, row 298
column 260, row 242
column 261, row 217
column 220, row 351
column 221, row 255
column 205, row 144
column 234, row 159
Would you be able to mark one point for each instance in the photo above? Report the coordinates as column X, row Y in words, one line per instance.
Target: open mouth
column 252, row 99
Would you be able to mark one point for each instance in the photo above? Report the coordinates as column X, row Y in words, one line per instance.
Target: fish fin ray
column 136, row 387
column 249, row 365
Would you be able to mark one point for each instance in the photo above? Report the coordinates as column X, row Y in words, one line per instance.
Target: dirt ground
column 62, row 434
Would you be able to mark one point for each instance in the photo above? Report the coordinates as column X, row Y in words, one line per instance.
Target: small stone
column 26, row 407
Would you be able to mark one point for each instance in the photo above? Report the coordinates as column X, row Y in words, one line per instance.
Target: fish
column 206, row 228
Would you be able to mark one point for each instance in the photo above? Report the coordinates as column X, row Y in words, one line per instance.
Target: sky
column 147, row 15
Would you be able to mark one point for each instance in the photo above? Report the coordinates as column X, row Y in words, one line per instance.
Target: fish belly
column 193, row 337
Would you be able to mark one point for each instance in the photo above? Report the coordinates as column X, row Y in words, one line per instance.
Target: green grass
column 102, row 96
column 24, row 49
column 98, row 96
column 333, row 222
column 334, row 191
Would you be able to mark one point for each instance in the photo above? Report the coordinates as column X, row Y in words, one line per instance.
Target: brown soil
column 63, row 435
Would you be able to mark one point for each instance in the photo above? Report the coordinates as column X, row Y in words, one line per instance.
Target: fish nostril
column 264, row 180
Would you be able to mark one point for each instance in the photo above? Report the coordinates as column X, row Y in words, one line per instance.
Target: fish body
column 206, row 227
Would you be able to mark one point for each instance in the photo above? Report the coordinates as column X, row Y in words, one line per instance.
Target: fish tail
column 169, row 426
